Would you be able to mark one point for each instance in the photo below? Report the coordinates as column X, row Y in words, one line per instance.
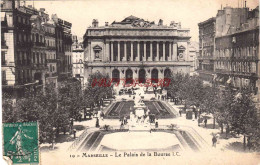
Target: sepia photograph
column 114, row 82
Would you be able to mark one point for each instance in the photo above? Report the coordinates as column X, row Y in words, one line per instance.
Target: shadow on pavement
column 235, row 146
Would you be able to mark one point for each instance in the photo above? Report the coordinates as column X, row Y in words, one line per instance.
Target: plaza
column 139, row 133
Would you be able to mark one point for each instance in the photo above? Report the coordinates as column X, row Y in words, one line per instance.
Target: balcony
column 245, row 74
column 51, row 60
column 24, row 26
column 50, row 34
column 50, row 48
column 223, row 71
column 247, row 58
column 223, row 58
column 24, row 44
column 205, row 57
column 40, row 44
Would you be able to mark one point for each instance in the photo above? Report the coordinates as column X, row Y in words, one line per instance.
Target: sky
column 189, row 12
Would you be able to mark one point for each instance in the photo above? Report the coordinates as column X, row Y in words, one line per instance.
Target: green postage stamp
column 21, row 143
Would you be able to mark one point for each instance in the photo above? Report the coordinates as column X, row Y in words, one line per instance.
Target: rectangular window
column 3, row 57
column 38, row 58
column 4, row 78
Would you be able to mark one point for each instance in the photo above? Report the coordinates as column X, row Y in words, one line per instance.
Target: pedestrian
column 97, row 123
column 124, row 120
column 249, row 145
column 214, row 141
column 180, row 112
column 156, row 123
column 74, row 133
column 102, row 115
column 122, row 125
column 205, row 121
column 196, row 114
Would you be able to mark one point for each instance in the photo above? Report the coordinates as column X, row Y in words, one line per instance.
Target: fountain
column 139, row 117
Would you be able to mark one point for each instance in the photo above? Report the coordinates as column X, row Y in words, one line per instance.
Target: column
column 112, row 51
column 163, row 51
column 174, row 55
column 132, row 51
column 125, row 55
column 170, row 51
column 118, row 51
column 89, row 53
column 144, row 58
column 157, row 52
column 151, row 52
column 106, row 58
column 138, row 51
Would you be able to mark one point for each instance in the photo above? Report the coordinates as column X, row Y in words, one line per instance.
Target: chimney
column 42, row 9
column 172, row 23
column 245, row 4
column 160, row 22
column 106, row 23
column 95, row 23
column 179, row 25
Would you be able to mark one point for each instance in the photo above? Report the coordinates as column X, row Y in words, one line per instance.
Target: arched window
column 154, row 76
column 129, row 76
column 115, row 75
column 142, row 76
column 37, row 37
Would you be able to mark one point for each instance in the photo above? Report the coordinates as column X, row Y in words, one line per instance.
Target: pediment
column 97, row 47
column 181, row 47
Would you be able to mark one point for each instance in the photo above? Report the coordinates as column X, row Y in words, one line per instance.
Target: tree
column 98, row 88
column 210, row 102
column 244, row 114
column 176, row 87
column 224, row 105
column 70, row 97
column 194, row 91
column 9, row 111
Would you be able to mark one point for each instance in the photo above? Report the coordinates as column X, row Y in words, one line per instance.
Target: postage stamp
column 21, row 142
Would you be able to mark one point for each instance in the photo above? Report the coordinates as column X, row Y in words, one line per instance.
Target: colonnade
column 141, row 51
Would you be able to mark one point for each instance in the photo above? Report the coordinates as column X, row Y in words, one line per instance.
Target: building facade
column 77, row 60
column 236, row 49
column 32, row 52
column 16, row 49
column 207, row 31
column 193, row 56
column 63, row 46
column 50, row 42
column 136, row 49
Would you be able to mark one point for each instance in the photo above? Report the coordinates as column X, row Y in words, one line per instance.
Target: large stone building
column 136, row 49
column 231, row 42
column 63, row 46
column 237, row 52
column 207, row 31
column 32, row 54
column 17, row 45
column 78, row 59
column 237, row 46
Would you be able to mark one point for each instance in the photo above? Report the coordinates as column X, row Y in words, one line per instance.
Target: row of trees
column 54, row 108
column 232, row 108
